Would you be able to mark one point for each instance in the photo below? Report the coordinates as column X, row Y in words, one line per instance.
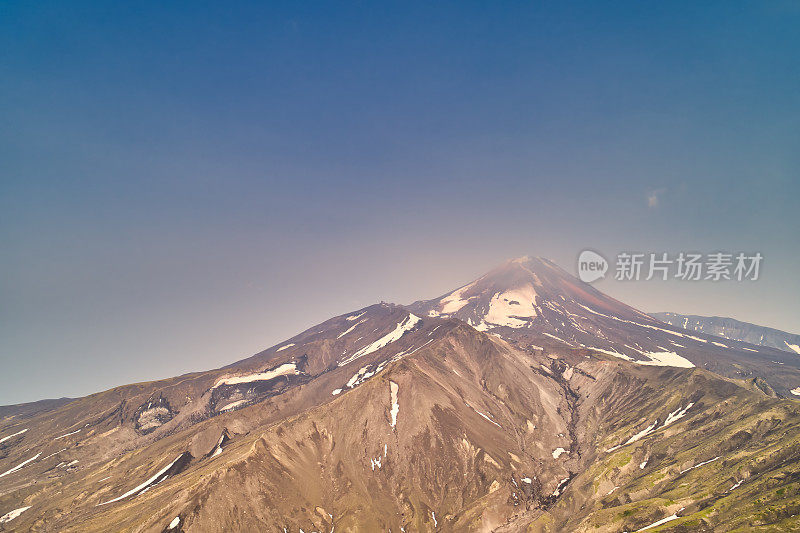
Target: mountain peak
column 515, row 293
column 533, row 267
column 534, row 302
column 528, row 261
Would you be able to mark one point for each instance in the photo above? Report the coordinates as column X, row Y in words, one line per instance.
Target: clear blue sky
column 185, row 183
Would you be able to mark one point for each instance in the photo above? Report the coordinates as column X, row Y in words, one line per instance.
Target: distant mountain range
column 732, row 329
column 525, row 400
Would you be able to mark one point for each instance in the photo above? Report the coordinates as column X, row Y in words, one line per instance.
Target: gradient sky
column 183, row 184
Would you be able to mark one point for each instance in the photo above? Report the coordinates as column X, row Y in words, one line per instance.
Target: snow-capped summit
column 535, row 302
column 523, row 293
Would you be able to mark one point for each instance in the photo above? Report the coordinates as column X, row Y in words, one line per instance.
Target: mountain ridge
column 390, row 418
column 733, row 329
column 533, row 300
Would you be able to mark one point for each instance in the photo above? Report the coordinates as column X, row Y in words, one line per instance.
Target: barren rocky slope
column 418, row 419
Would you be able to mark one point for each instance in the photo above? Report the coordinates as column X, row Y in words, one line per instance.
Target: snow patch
column 487, row 417
column 23, row 463
column 453, row 302
column 364, row 373
column 284, row 347
column 351, row 328
column 158, row 478
column 677, row 414
column 662, row 521
column 394, row 388
column 666, row 359
column 174, row 523
column 560, row 485
column 401, row 329
column 698, row 465
column 611, row 353
column 794, row 347
column 54, row 453
column 11, row 515
column 483, row 326
column 642, row 434
column 222, row 440
column 68, row 434
column 359, row 377
column 558, row 339
column 13, row 435
column 509, row 308
column 557, row 452
column 282, row 370
column 233, row 405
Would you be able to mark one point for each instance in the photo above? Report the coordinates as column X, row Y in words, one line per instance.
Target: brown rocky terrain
column 477, row 411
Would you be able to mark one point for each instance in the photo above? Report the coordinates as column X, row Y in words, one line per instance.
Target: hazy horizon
column 182, row 186
column 301, row 322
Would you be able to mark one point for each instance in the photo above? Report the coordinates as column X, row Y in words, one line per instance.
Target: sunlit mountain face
column 533, row 301
column 525, row 400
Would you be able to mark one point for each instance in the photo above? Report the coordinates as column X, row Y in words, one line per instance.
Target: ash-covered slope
column 389, row 418
column 90, row 435
column 682, row 451
column 532, row 300
column 732, row 329
column 449, row 413
column 451, row 430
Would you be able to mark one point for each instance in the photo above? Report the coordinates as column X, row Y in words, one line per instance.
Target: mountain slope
column 389, row 418
column 732, row 329
column 712, row 454
column 533, row 301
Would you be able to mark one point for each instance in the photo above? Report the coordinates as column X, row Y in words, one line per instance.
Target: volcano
column 525, row 400
column 533, row 301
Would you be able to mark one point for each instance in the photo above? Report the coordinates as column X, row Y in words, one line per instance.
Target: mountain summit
column 524, row 293
column 535, row 302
